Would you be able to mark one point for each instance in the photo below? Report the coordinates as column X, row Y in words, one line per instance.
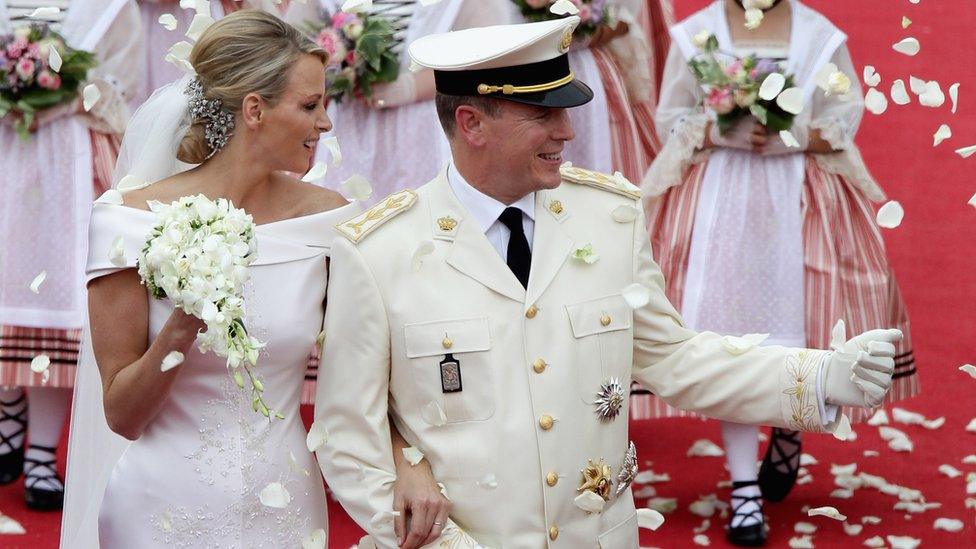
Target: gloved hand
column 401, row 91
column 859, row 372
column 775, row 145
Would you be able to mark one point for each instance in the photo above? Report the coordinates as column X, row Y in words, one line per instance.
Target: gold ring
column 438, row 524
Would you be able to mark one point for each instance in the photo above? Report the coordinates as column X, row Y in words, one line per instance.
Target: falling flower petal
column 649, row 519
column 332, row 144
column 901, row 445
column 871, row 453
column 705, row 448
column 44, row 13
column 35, row 285
column 869, row 519
column 179, row 55
column 871, row 76
column 969, row 369
column 650, row 477
column 40, row 363
column 879, row 418
column 853, row 529
column 702, row 539
column 944, row 132
column 966, row 152
column 116, row 254
column 636, row 295
column 950, row 471
column 91, row 96
column 443, row 490
column 949, row 525
column 829, row 512
column 315, row 540
column 645, row 493
column 805, row 528
column 875, row 102
column 434, row 414
column 905, row 22
column 317, row 436
column 917, row 85
column 933, row 424
column 736, row 345
column 842, row 493
column 590, row 502
column 791, row 100
column 171, row 360
column 563, row 7
column 969, row 460
column 903, row 542
column 771, row 86
column 586, row 255
column 10, row 526
column 199, row 24
column 875, row 542
column 168, row 21
column 663, row 505
column 848, row 469
column 802, row 542
column 294, row 466
column 413, row 455
column 317, row 172
column 971, row 427
column 972, row 201
column 275, row 495
column 954, row 96
column 899, row 94
column 932, row 96
column 423, row 250
column 909, row 46
column 900, row 415
column 754, row 18
column 488, row 481
column 806, row 479
column 890, row 215
column 624, row 213
column 356, row 188
column 54, row 59
column 788, row 139
column 353, row 6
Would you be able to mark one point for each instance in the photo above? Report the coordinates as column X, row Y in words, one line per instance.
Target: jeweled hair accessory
column 220, row 122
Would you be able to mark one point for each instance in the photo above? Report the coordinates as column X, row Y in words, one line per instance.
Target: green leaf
column 759, row 112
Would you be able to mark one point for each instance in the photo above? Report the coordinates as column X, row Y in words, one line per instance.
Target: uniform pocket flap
column 621, row 536
column 596, row 316
column 447, row 336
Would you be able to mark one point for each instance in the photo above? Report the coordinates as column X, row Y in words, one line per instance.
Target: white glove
column 859, row 372
column 401, row 91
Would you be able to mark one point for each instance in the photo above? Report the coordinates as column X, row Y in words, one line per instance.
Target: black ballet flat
column 43, row 499
column 753, row 535
column 774, row 484
column 12, row 460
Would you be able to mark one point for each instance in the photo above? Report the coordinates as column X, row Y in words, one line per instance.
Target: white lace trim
column 834, row 131
column 680, row 151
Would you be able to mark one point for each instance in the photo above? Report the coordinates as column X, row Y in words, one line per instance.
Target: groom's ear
column 252, row 110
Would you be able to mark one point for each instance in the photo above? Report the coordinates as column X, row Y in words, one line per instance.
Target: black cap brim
column 573, row 94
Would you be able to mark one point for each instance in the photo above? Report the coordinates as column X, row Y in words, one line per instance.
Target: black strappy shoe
column 774, row 483
column 44, row 490
column 753, row 535
column 12, row 458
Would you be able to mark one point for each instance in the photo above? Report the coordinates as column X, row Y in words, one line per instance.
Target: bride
column 202, row 465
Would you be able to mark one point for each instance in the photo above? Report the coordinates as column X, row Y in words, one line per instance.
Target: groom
column 499, row 313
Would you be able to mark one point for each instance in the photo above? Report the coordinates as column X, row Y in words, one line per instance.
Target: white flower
column 586, row 255
column 754, row 17
column 701, row 38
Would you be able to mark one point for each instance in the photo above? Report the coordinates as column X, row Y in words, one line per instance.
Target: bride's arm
column 417, row 495
column 134, row 387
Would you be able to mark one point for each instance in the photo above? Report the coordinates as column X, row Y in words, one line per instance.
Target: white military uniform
column 418, row 279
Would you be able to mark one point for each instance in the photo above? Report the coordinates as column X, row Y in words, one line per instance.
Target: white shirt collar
column 483, row 209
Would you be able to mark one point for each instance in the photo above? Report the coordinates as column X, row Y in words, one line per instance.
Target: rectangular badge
column 450, row 374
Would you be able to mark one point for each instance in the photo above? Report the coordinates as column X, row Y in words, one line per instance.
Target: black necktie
column 519, row 255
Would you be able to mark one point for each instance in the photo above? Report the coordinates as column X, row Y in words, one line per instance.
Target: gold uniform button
column 531, row 312
column 553, row 532
column 539, row 366
column 605, row 320
column 447, row 343
column 546, row 422
column 552, row 478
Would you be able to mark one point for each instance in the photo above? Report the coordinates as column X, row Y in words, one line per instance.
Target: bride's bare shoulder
column 165, row 190
column 310, row 198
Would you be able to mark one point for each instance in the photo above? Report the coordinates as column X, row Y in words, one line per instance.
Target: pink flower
column 734, row 68
column 720, row 100
column 34, row 50
column 333, row 45
column 536, row 4
column 25, row 69
column 585, row 13
column 16, row 48
column 48, row 80
column 341, row 19
column 352, row 58
column 754, row 74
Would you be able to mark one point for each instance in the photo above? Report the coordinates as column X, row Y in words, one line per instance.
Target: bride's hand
column 423, row 508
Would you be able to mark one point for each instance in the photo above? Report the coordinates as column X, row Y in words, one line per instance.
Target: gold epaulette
column 358, row 227
column 616, row 183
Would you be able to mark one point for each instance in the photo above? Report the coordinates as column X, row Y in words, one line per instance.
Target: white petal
column 317, row 172
column 10, row 526
column 947, row 524
column 54, row 58
column 590, row 502
column 949, row 471
column 111, row 196
column 91, row 96
column 968, row 369
column 704, row 506
column 842, row 493
column 413, row 455
column 315, row 540
column 116, row 254
column 788, row 139
column 890, row 215
column 805, row 528
column 954, row 96
column 353, row 6
column 705, row 448
column 771, row 86
column 903, row 542
column 381, row 518
column 563, row 7
column 168, row 21
column 932, row 424
column 426, row 3
column 890, row 433
column 944, row 132
column 971, row 427
column 807, row 459
column 822, row 77
column 848, row 469
column 35, row 285
column 736, row 346
column 44, row 13
column 171, row 360
column 663, row 505
column 199, row 24
column 702, row 539
column 969, row 460
column 130, row 182
column 423, row 250
column 646, row 492
column 879, row 418
column 917, row 85
column 636, row 295
column 356, row 188
column 972, row 201
column 488, row 481
column 805, row 479
column 275, row 495
column 870, row 519
column 434, row 414
column 791, row 100
column 899, row 94
column 966, row 152
column 802, row 542
column 909, row 46
column 870, row 453
column 875, row 102
column 624, row 213
column 853, row 529
column 650, row 477
column 901, row 445
column 829, row 512
column 900, row 415
column 754, row 18
column 317, row 436
column 443, row 490
column 871, row 76
column 40, row 363
column 905, row 22
column 649, row 519
column 932, row 96
column 332, row 144
column 875, row 542
column 294, row 466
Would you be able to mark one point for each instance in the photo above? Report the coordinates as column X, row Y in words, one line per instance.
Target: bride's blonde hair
column 246, row 52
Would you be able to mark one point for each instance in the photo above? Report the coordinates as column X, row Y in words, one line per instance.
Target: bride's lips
column 551, row 158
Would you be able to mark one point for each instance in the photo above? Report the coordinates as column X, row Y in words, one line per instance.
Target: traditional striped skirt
column 846, row 271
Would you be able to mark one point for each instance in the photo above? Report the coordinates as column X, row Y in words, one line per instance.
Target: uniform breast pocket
column 602, row 328
column 451, row 363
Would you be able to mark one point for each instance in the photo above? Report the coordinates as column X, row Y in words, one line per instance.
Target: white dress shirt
column 484, row 210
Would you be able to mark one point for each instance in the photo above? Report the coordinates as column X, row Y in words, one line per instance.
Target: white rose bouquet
column 197, row 256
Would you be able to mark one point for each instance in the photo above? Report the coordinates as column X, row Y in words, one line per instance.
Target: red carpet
column 933, row 255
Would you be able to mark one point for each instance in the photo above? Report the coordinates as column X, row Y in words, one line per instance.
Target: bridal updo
column 246, row 52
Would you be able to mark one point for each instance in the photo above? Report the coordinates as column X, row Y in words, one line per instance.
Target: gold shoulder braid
column 358, row 227
column 616, row 183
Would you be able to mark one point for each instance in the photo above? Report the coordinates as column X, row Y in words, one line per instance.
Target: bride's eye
column 311, row 106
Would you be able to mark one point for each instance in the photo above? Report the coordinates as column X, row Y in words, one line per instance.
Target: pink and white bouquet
column 592, row 13
column 360, row 54
column 38, row 71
